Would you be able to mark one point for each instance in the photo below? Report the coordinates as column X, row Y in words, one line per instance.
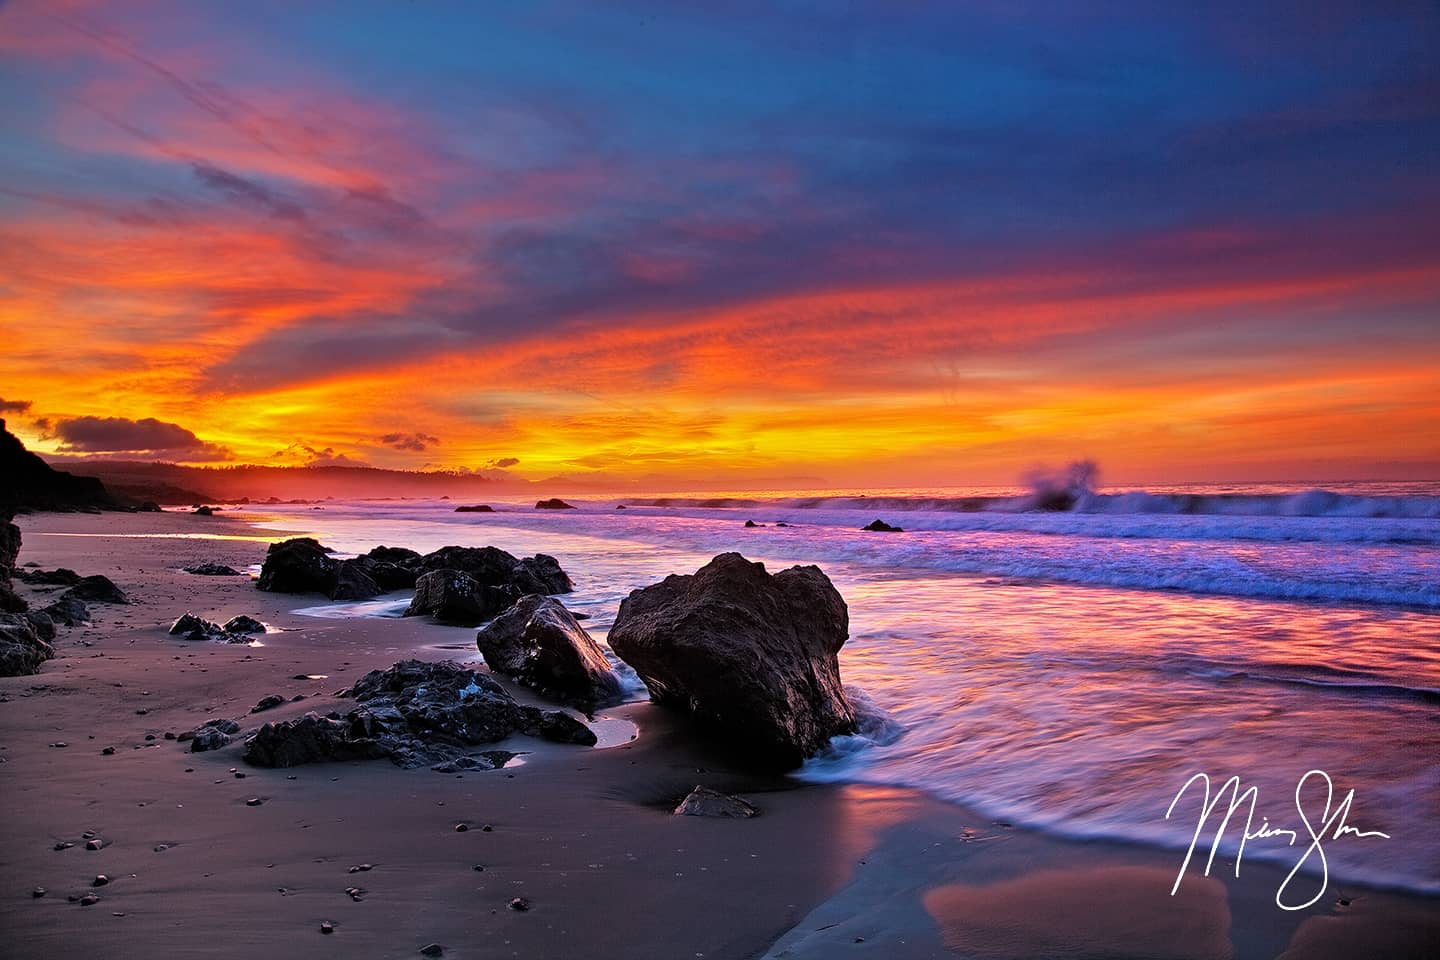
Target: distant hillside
column 169, row 483
column 29, row 483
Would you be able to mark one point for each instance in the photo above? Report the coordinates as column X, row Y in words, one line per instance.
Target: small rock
column 362, row 868
column 254, row 802
column 96, row 844
column 59, row 743
column 89, row 900
column 327, row 927
column 355, row 893
column 64, row 844
column 461, row 827
column 38, row 892
column 478, row 868
column 704, row 802
column 520, row 904
column 100, row 880
column 432, row 950
column 268, row 703
column 108, row 752
column 880, row 526
column 486, row 829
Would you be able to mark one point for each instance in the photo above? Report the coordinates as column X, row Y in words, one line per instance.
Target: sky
column 745, row 244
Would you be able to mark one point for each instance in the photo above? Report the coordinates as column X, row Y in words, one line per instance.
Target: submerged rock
column 704, row 802
column 880, row 526
column 750, row 656
column 22, row 650
column 477, row 508
column 415, row 713
column 540, row 644
column 555, row 503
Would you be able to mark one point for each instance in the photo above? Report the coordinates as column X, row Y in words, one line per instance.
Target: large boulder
column 301, row 565
column 451, row 596
column 539, row 643
column 417, row 714
column 71, row 611
column 750, row 656
column 21, row 648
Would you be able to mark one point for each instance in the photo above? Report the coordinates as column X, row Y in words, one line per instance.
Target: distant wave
column 1309, row 503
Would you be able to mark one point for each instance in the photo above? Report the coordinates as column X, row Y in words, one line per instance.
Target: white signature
column 1330, row 826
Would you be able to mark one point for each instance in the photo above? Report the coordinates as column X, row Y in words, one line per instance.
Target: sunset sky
column 861, row 243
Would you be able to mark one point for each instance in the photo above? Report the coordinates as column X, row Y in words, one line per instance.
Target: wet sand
column 585, row 835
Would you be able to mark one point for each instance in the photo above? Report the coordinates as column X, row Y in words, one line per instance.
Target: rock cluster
column 751, row 657
column 23, row 643
column 303, row 565
column 190, row 627
column 416, row 714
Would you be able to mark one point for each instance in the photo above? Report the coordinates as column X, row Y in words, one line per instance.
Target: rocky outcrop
column 477, row 508
column 21, row 648
column 750, row 656
column 32, row 484
column 541, row 645
column 415, row 713
column 243, row 624
column 880, row 526
column 10, row 601
column 451, row 596
column 237, row 630
column 554, row 503
column 352, row 581
column 301, row 565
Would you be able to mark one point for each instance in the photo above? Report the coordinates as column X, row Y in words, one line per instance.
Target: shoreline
column 586, row 835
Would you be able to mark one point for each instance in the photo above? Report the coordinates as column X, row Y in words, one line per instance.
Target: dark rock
column 752, row 523
column 89, row 900
column 208, row 738
column 204, row 511
column 10, row 541
column 620, row 507
column 429, row 950
column 477, row 508
column 150, row 506
column 400, row 556
column 541, row 645
column 22, row 650
column 100, row 880
column 61, row 576
column 268, row 703
column 353, row 582
column 213, row 570
column 390, row 576
column 38, row 892
column 190, row 627
column 94, row 844
column 244, row 624
column 750, row 656
column 782, row 523
column 108, row 752
column 455, row 597
column 415, row 713
column 42, row 624
column 880, row 526
column 96, row 589
column 10, row 601
column 541, row 574
column 555, row 503
column 301, row 565
column 462, row 827
column 327, row 927
column 704, row 802
column 70, row 611
column 520, row 904
column 254, row 802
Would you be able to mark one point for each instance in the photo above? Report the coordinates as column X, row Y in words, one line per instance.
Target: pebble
column 239, row 776
column 362, row 867
column 355, row 893
column 254, row 802
column 89, row 900
column 38, row 892
column 461, row 827
column 327, row 927
column 100, row 880
column 141, row 712
column 59, row 743
column 486, row 829
column 432, row 950
column 520, row 904
column 95, row 844
column 162, row 847
column 108, row 752
column 479, row 868
column 64, row 844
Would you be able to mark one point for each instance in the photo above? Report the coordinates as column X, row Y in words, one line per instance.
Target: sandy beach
column 584, row 835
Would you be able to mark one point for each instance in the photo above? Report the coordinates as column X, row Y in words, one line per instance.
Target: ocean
column 1067, row 670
